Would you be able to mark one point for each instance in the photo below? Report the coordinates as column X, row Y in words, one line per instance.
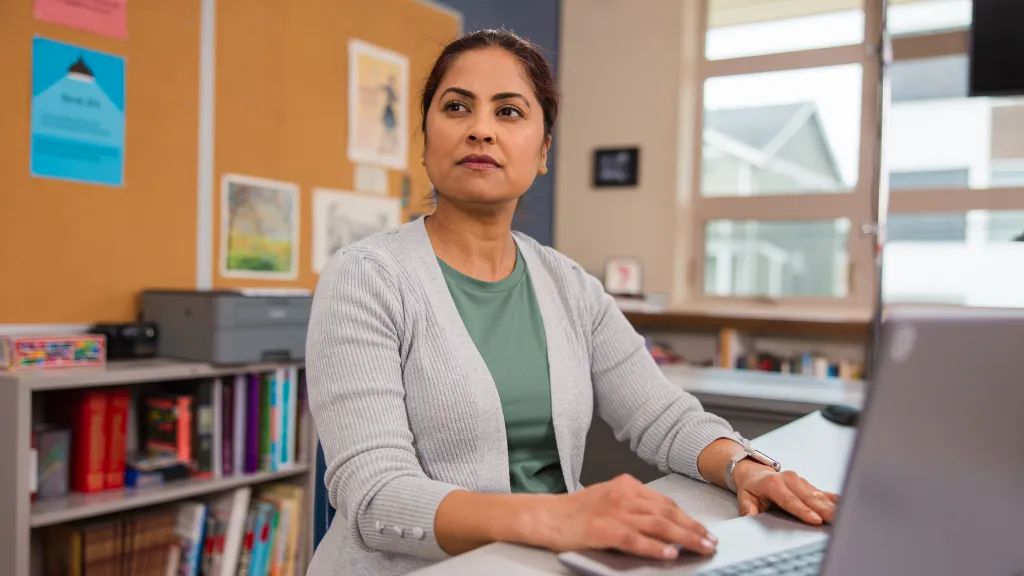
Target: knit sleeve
column 666, row 426
column 357, row 399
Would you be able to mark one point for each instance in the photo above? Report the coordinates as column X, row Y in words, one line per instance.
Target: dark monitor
column 997, row 48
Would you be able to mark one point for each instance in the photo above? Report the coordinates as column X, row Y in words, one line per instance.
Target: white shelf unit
column 19, row 516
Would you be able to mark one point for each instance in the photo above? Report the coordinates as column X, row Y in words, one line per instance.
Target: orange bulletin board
column 78, row 253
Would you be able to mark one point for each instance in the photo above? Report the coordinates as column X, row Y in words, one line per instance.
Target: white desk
column 812, row 446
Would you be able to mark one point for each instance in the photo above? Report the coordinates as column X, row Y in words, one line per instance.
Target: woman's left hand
column 759, row 487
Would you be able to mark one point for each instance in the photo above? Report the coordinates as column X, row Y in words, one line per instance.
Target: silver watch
column 748, row 452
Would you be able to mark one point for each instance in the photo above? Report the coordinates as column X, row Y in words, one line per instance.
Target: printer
column 229, row 327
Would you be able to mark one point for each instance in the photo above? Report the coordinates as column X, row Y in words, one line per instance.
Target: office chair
column 323, row 512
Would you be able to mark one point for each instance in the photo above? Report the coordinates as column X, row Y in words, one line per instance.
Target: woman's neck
column 478, row 244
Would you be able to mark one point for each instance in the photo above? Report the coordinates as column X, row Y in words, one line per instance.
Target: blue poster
column 77, row 113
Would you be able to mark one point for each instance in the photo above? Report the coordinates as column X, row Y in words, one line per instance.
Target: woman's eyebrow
column 507, row 95
column 499, row 96
column 460, row 91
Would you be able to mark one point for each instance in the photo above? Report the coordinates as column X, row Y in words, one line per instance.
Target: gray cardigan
column 406, row 409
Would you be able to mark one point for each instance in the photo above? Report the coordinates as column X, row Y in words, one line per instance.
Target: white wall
column 620, row 78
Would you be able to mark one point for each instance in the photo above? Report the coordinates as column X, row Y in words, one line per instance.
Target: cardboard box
column 35, row 352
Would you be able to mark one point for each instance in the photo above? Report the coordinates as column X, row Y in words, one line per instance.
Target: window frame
column 866, row 205
column 854, row 205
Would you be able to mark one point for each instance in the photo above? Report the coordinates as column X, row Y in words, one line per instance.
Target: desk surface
column 812, row 446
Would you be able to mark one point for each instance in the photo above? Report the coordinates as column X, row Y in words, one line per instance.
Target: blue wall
column 537, row 20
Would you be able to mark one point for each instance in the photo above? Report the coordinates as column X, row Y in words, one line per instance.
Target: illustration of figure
column 390, row 140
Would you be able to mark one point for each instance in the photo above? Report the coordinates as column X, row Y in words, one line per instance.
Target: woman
column 454, row 364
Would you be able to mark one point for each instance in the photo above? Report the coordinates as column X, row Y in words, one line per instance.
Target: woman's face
column 485, row 138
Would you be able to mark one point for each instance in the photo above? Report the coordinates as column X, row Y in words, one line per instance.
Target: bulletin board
column 78, row 253
column 282, row 98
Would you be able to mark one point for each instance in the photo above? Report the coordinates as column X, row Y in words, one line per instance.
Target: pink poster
column 106, row 17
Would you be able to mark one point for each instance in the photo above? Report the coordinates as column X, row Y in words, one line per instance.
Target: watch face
column 765, row 459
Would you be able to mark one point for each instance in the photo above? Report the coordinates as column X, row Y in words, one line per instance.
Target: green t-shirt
column 504, row 321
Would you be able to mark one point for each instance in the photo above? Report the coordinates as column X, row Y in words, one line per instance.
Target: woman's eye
column 454, row 106
column 510, row 111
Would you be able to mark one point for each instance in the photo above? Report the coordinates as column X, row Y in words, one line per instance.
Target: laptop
column 936, row 480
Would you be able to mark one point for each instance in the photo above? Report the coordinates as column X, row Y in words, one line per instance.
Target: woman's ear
column 543, row 167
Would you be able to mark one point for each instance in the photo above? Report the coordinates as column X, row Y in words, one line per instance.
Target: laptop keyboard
column 800, row 561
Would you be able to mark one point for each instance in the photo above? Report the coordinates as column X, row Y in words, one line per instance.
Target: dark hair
column 528, row 53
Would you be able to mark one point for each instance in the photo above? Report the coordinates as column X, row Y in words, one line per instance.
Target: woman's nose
column 482, row 131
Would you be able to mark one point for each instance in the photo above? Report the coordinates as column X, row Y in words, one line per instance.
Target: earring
column 544, row 169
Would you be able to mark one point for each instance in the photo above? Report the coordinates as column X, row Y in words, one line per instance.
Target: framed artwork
column 259, row 228
column 616, row 167
column 623, row 277
column 342, row 218
column 378, row 106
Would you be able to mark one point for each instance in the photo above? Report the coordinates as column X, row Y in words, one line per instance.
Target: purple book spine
column 227, row 426
column 252, row 426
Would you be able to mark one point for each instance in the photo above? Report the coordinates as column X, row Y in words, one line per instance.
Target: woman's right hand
column 625, row 515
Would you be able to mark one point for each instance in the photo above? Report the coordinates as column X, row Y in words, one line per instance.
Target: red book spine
column 185, row 428
column 89, row 449
column 116, row 432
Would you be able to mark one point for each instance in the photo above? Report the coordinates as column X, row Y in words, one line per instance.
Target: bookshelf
column 819, row 341
column 78, row 506
column 20, row 518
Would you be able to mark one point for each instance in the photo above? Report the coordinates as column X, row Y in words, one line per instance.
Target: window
column 753, row 27
column 974, row 258
column 780, row 198
column 979, row 142
column 955, row 231
column 777, row 177
column 782, row 132
column 758, row 258
column 910, row 17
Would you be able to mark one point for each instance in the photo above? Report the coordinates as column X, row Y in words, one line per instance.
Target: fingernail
column 819, row 495
column 816, row 518
column 712, row 537
column 707, row 544
column 669, row 552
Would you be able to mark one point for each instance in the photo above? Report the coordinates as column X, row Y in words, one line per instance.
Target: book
column 252, row 424
column 209, row 535
column 190, row 523
column 238, row 451
column 169, row 425
column 89, row 446
column 54, row 452
column 98, row 546
column 63, row 543
column 278, row 533
column 217, row 457
column 227, row 427
column 273, row 420
column 291, row 499
column 233, row 509
column 265, row 521
column 264, row 422
column 303, row 444
column 203, row 429
column 293, row 413
column 280, row 418
column 248, row 541
column 116, row 432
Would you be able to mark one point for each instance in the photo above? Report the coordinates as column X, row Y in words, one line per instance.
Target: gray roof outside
column 754, row 126
column 758, row 126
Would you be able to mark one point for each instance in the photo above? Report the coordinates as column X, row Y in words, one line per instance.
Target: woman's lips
column 478, row 165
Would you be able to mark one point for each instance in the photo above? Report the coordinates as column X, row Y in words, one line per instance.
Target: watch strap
column 748, row 452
